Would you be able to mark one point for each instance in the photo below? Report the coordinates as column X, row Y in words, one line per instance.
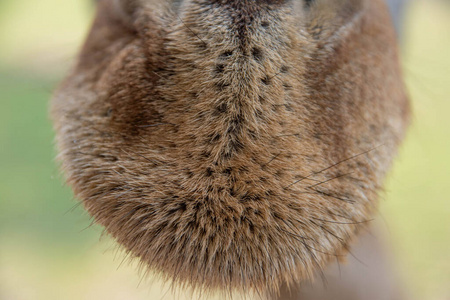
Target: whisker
column 356, row 258
column 89, row 226
column 332, row 166
column 273, row 158
column 298, row 237
column 195, row 34
column 270, row 78
column 329, row 195
column 301, row 240
column 154, row 125
column 72, row 209
column 343, row 223
column 328, row 180
column 311, row 254
column 341, row 216
column 335, row 197
column 341, row 240
column 293, row 234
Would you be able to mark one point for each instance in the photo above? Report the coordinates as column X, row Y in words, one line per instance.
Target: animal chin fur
column 233, row 144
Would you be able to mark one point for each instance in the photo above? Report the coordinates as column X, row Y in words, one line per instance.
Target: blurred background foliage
column 47, row 253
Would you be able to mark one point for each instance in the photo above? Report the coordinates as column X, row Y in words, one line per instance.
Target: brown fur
column 233, row 144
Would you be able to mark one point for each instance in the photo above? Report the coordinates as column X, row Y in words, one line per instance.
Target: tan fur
column 233, row 144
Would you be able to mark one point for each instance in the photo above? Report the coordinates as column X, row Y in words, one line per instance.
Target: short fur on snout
column 233, row 144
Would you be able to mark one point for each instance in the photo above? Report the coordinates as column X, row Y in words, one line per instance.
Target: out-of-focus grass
column 45, row 253
column 417, row 207
column 42, row 35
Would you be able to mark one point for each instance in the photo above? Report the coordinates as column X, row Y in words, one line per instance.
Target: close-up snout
column 242, row 146
column 225, row 149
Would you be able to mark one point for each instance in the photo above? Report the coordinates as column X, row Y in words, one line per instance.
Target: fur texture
column 233, row 144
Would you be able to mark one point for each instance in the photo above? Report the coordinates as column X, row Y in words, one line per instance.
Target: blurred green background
column 46, row 252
